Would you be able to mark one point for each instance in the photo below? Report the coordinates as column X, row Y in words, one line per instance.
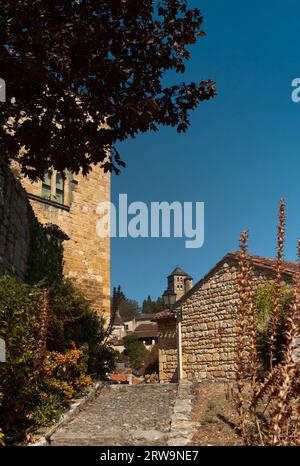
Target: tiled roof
column 288, row 267
column 144, row 317
column 164, row 315
column 178, row 271
column 258, row 262
column 146, row 331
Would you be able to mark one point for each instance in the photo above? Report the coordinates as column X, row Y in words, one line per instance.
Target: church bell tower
column 179, row 282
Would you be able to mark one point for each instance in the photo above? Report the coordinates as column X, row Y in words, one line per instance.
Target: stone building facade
column 71, row 203
column 208, row 322
column 167, row 347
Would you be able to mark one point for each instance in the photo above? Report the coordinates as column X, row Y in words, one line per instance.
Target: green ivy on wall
column 45, row 258
column 45, row 249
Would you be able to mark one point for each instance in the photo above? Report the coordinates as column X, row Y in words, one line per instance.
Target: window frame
column 47, row 186
column 64, row 200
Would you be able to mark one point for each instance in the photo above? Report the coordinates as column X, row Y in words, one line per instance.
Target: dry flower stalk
column 277, row 285
column 44, row 321
column 272, row 414
column 282, row 410
column 241, row 348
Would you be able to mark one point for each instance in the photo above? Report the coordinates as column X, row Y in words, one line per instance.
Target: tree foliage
column 128, row 308
column 135, row 351
column 152, row 307
column 152, row 361
column 82, row 75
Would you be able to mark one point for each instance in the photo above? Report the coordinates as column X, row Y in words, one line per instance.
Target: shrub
column 74, row 321
column 135, row 351
column 263, row 302
column 18, row 317
column 37, row 385
column 63, row 377
column 151, row 362
column 48, row 410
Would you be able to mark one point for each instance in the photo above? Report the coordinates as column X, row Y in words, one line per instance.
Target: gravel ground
column 214, row 411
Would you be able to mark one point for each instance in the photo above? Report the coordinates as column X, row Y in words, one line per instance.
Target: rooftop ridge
column 267, row 263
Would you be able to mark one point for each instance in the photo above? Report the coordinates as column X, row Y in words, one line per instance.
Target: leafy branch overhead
column 83, row 75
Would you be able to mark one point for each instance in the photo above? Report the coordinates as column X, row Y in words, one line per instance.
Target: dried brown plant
column 241, row 347
column 277, row 285
column 44, row 322
column 282, row 409
column 269, row 409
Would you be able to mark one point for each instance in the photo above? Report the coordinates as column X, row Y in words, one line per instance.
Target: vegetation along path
column 122, row 415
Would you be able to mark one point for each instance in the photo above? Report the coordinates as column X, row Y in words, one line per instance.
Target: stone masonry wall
column 167, row 346
column 86, row 256
column 209, row 324
column 14, row 225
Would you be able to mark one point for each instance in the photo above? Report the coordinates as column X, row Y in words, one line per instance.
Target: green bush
column 135, row 351
column 152, row 362
column 18, row 319
column 48, row 410
column 74, row 321
column 34, row 391
column 263, row 301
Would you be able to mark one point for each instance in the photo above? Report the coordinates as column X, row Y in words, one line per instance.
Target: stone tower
column 71, row 202
column 179, row 282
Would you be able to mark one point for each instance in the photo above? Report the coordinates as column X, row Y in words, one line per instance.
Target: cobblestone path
column 122, row 415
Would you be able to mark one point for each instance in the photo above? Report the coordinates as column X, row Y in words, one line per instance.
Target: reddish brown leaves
column 72, row 65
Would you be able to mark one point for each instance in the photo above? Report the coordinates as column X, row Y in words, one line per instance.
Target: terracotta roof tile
column 146, row 330
column 288, row 267
column 144, row 317
column 164, row 315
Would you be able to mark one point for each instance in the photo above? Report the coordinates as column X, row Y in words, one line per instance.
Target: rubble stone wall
column 209, row 323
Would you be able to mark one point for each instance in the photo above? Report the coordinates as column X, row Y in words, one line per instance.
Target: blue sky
column 240, row 155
